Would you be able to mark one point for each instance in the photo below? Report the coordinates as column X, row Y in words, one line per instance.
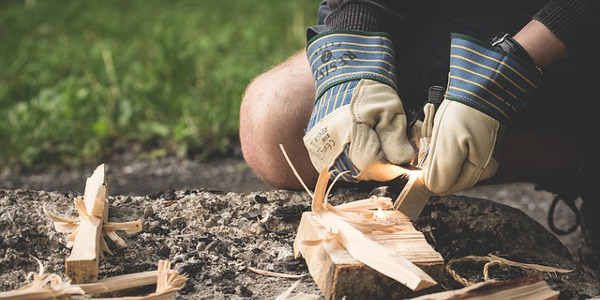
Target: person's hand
column 486, row 86
column 358, row 122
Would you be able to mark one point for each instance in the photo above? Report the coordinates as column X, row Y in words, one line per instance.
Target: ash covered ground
column 215, row 236
column 203, row 217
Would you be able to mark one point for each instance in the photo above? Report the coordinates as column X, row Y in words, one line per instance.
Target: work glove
column 358, row 122
column 486, row 87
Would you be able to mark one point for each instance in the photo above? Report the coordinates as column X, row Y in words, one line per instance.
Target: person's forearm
column 541, row 44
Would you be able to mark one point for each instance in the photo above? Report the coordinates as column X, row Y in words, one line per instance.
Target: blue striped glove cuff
column 336, row 57
column 489, row 79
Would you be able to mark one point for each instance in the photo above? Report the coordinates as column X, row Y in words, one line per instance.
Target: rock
column 252, row 214
column 243, row 291
column 260, row 199
column 148, row 212
column 213, row 246
column 177, row 220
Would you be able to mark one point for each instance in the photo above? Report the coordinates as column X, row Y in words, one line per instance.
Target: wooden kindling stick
column 86, row 233
column 167, row 281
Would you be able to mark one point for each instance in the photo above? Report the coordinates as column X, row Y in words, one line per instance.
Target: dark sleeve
column 575, row 22
column 362, row 15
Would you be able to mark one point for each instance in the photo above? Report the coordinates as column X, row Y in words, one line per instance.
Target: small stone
column 177, row 220
column 227, row 289
column 260, row 199
column 243, row 291
column 148, row 212
column 251, row 214
column 170, row 195
column 213, row 246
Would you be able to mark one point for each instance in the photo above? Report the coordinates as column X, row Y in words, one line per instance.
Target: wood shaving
column 42, row 285
column 275, row 274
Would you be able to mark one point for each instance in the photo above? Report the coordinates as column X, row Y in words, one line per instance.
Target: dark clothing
column 575, row 22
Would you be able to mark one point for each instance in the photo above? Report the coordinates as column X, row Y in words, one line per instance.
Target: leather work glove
column 358, row 122
column 486, row 86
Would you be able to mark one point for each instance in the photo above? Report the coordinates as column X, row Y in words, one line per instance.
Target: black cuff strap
column 505, row 42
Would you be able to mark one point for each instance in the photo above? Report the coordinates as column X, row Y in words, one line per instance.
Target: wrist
column 541, row 44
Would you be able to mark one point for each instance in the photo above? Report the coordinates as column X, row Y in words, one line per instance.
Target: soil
column 203, row 217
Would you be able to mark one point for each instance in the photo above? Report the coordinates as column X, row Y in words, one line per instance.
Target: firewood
column 529, row 288
column 337, row 265
column 85, row 234
column 82, row 265
column 336, row 272
column 372, row 254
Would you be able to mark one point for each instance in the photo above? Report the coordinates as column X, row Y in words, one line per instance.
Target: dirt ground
column 203, row 217
column 133, row 177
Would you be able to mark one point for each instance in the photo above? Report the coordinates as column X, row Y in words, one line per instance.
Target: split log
column 529, row 288
column 82, row 265
column 338, row 274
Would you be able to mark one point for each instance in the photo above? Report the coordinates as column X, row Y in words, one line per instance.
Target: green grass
column 78, row 78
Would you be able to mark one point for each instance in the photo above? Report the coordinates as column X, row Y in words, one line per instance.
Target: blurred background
column 81, row 81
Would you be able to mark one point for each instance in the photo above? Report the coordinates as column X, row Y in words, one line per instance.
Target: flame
column 379, row 214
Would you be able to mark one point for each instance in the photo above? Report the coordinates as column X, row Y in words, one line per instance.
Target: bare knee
column 275, row 110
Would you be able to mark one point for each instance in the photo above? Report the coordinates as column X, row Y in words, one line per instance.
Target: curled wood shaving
column 71, row 226
column 372, row 202
column 294, row 171
column 265, row 218
column 168, row 281
column 41, row 285
column 275, row 274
